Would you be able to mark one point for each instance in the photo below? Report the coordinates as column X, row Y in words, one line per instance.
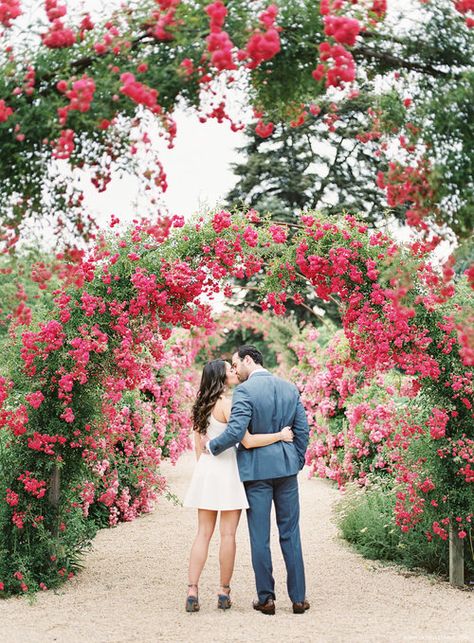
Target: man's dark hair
column 253, row 352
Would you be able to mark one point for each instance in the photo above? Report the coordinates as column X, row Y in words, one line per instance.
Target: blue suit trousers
column 284, row 493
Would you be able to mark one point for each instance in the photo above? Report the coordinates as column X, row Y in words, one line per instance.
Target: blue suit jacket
column 265, row 404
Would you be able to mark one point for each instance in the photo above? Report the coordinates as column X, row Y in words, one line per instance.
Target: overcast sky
column 198, row 171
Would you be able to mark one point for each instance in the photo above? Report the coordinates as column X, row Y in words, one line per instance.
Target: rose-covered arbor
column 67, row 405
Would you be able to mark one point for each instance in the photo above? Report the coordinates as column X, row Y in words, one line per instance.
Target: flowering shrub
column 99, row 398
column 9, row 10
column 366, row 518
column 390, row 428
column 149, row 425
column 350, row 417
column 118, row 478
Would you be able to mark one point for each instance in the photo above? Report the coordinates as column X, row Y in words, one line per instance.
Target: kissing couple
column 249, row 450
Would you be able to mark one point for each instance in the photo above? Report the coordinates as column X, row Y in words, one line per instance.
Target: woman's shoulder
column 221, row 408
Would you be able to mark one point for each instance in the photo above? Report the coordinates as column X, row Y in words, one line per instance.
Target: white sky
column 198, row 171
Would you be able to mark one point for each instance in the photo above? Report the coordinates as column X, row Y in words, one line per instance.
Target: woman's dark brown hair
column 211, row 388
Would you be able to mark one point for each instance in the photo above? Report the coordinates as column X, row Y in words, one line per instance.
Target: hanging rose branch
column 85, row 98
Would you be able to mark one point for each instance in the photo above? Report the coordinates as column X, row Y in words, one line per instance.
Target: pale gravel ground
column 134, row 582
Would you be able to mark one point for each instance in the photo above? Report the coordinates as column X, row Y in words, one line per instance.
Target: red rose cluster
column 219, row 44
column 80, row 96
column 264, row 44
column 58, row 36
column 409, row 184
column 264, row 130
column 343, row 30
column 342, row 70
column 466, row 7
column 138, row 92
column 337, row 64
column 163, row 19
column 9, row 10
column 379, row 8
column 5, row 111
column 64, row 146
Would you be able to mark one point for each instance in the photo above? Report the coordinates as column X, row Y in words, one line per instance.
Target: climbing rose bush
column 95, row 399
column 391, row 426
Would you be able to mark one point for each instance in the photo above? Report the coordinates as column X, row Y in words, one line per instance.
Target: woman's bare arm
column 197, row 444
column 252, row 441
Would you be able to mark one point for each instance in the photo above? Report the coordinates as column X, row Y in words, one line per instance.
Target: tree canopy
column 86, row 95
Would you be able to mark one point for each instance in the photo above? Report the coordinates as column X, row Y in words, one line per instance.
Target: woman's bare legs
column 228, row 526
column 198, row 555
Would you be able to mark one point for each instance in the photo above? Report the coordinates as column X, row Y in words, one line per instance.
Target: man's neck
column 258, row 369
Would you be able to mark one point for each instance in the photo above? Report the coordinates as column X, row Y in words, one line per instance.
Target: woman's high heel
column 192, row 602
column 223, row 600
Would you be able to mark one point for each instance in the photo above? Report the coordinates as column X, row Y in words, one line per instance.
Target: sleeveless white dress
column 216, row 483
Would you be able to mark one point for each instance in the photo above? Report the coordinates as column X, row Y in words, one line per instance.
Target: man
column 263, row 403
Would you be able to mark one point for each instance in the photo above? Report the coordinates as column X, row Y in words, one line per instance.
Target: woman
column 216, row 485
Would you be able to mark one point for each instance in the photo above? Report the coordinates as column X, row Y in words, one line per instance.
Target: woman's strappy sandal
column 192, row 602
column 223, row 600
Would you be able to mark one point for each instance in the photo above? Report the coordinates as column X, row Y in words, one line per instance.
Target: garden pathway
column 134, row 581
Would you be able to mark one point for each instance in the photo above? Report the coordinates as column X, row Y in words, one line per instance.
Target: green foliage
column 366, row 520
column 280, row 335
column 272, row 336
column 365, row 517
column 464, row 255
column 284, row 82
column 314, row 167
column 241, row 336
column 324, row 168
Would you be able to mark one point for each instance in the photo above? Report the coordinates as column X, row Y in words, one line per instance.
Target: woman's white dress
column 216, row 483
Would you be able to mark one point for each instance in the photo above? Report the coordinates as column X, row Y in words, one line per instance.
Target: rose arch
column 84, row 410
column 94, row 390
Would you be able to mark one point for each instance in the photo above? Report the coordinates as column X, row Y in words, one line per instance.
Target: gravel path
column 134, row 584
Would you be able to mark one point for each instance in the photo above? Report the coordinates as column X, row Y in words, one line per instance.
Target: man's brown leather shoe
column 300, row 608
column 265, row 608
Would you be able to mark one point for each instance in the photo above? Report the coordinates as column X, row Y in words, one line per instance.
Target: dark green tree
column 307, row 167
